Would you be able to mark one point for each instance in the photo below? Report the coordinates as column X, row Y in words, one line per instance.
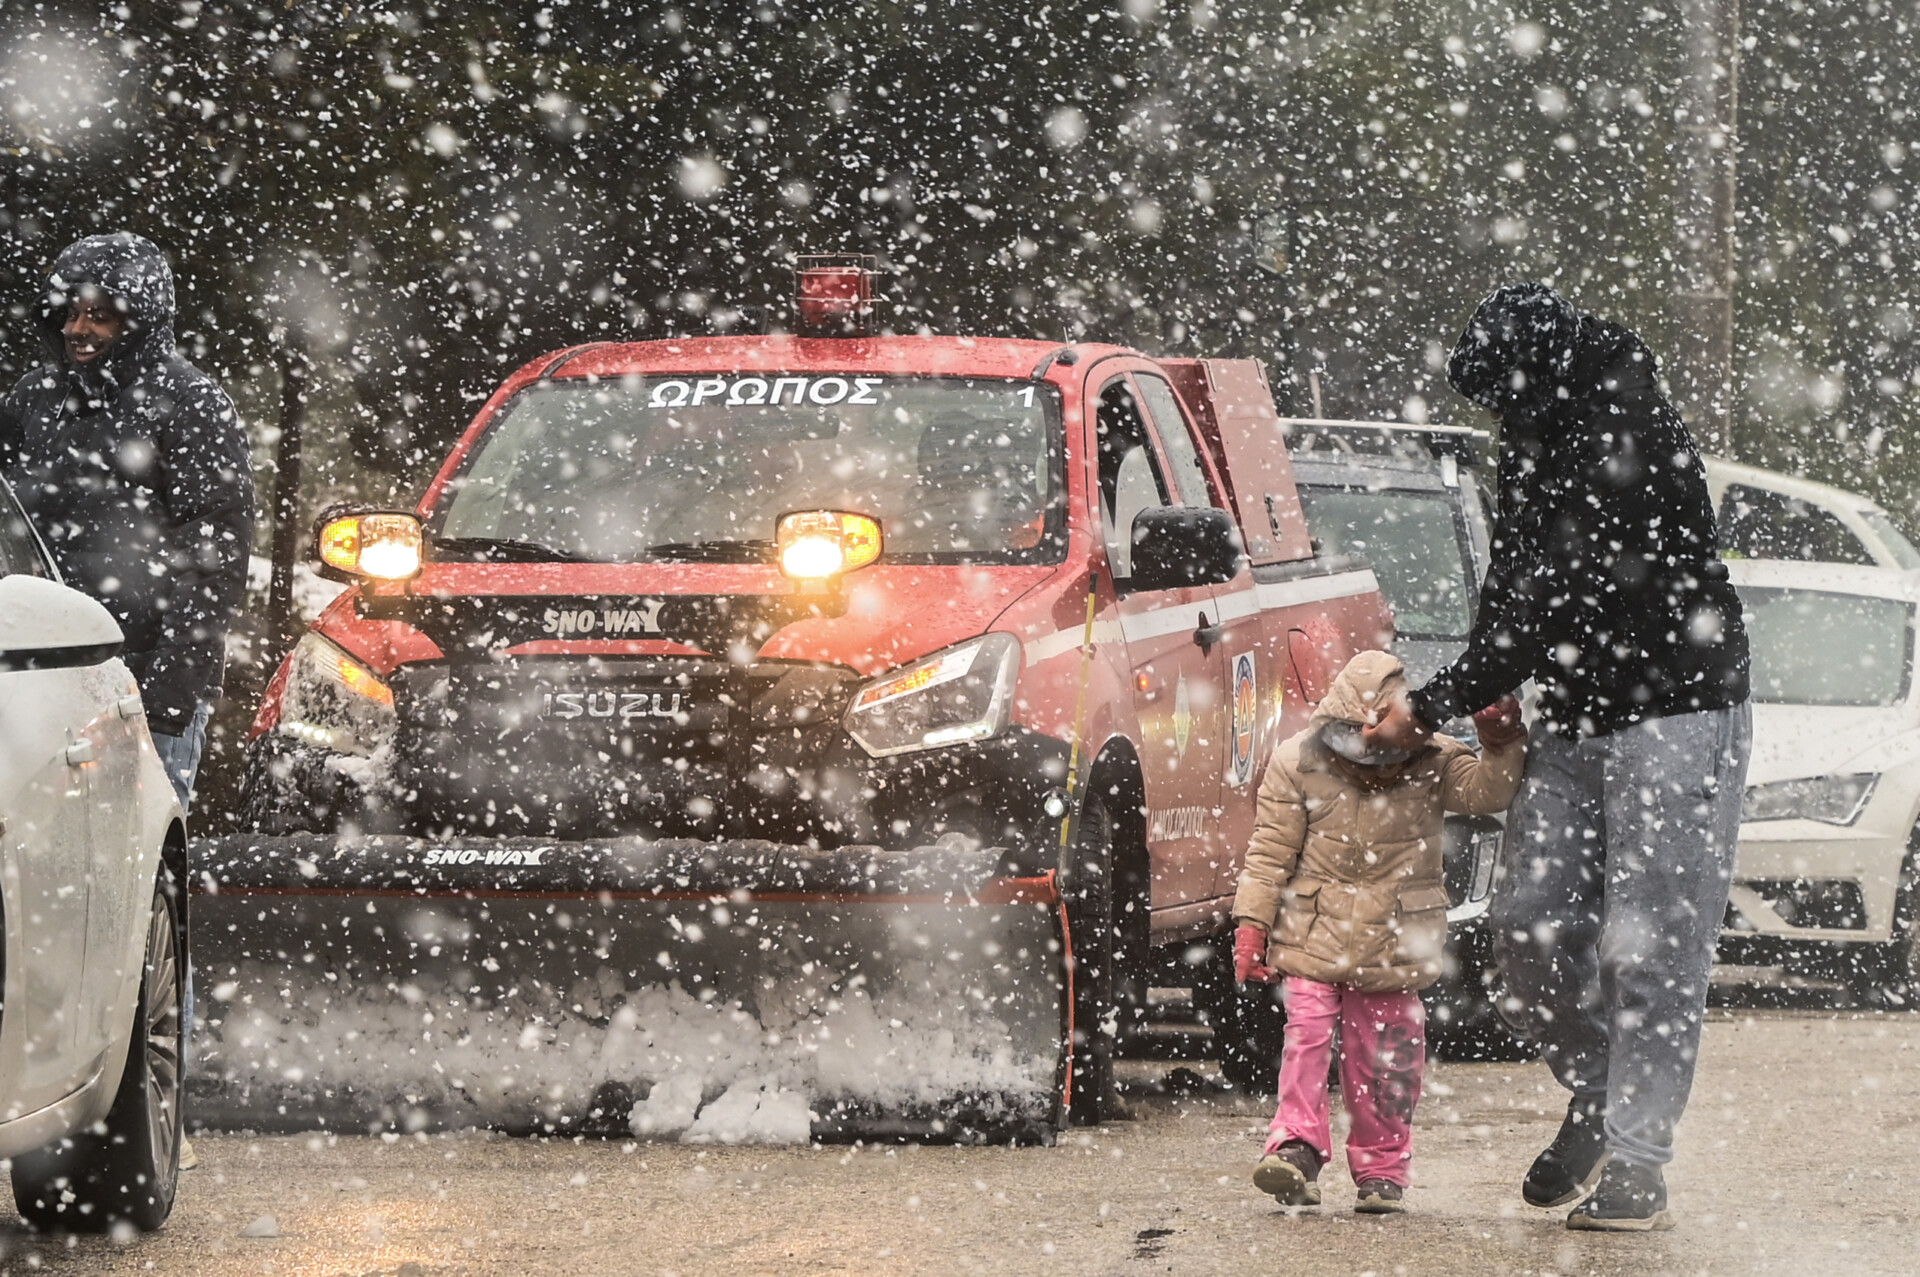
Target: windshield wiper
column 713, row 551
column 508, row 550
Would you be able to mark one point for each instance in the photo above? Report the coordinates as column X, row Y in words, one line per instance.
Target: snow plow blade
column 735, row 991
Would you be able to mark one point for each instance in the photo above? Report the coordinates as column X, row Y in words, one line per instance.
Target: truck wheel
column 1107, row 991
column 1249, row 1025
column 1462, row 1021
column 126, row 1167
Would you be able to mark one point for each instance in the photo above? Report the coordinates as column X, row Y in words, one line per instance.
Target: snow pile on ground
column 699, row 1069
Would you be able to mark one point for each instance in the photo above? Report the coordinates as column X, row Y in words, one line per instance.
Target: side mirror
column 48, row 626
column 1184, row 546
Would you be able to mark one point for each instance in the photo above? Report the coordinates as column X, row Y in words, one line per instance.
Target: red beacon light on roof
column 834, row 294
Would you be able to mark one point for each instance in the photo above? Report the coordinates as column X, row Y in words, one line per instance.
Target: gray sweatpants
column 1609, row 902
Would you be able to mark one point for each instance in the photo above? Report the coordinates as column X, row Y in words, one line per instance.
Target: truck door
column 1176, row 681
column 1237, row 660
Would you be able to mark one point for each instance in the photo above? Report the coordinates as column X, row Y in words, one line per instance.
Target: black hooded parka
column 135, row 469
column 1606, row 585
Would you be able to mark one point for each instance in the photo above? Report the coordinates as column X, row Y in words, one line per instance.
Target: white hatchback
column 92, row 863
column 1827, row 880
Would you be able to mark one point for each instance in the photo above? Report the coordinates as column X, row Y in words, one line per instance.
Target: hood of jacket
column 1515, row 354
column 1368, row 680
column 133, row 271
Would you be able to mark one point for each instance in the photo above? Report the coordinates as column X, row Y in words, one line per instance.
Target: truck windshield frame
column 697, row 467
column 1439, row 619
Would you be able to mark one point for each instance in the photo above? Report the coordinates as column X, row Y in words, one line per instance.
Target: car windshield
column 698, row 468
column 1818, row 647
column 1413, row 541
column 1905, row 553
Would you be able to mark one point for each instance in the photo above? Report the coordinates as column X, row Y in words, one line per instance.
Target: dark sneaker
column 1380, row 1197
column 1629, row 1199
column 1290, row 1174
column 1571, row 1165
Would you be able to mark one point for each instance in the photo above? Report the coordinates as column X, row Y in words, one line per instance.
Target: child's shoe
column 1380, row 1197
column 1290, row 1174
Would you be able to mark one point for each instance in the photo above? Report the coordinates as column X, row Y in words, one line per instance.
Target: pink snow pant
column 1383, row 1051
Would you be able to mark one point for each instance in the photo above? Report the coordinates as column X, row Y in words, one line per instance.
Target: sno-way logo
column 610, row 620
column 491, row 856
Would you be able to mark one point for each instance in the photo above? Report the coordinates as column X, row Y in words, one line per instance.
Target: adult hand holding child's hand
column 1250, row 955
column 1499, row 725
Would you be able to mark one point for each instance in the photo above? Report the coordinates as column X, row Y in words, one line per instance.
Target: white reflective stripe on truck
column 1180, row 617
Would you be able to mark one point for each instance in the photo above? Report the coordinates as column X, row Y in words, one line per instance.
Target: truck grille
column 584, row 746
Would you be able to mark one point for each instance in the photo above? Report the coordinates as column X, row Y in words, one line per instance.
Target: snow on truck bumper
column 720, row 991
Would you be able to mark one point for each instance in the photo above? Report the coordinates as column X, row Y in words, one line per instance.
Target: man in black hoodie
column 1607, row 591
column 135, row 469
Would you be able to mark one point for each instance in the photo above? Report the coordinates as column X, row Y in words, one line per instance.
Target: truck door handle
column 80, row 752
column 1207, row 635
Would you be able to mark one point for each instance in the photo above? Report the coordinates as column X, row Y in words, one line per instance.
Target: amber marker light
column 817, row 545
column 386, row 547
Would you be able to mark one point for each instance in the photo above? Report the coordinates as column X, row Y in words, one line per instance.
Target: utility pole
column 1706, row 114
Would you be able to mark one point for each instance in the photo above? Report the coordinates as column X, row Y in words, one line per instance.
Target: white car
column 92, row 859
column 1825, row 881
column 1765, row 515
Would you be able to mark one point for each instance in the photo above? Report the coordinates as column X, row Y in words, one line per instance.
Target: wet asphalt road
column 1797, row 1157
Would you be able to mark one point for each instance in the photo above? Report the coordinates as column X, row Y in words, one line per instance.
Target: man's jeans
column 1609, row 903
column 181, row 754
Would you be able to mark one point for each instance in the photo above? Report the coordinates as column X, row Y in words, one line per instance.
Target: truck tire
column 1249, row 1025
column 125, row 1168
column 1462, row 1021
column 1108, row 994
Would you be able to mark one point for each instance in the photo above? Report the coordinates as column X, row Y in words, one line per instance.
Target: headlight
column 962, row 694
column 1836, row 800
column 333, row 701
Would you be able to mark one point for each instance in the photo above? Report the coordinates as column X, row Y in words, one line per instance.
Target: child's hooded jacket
column 1344, row 866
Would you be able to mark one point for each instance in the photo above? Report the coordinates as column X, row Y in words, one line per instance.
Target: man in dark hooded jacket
column 1606, row 589
column 134, row 467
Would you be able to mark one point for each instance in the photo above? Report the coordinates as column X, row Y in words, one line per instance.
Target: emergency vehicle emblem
column 1246, row 719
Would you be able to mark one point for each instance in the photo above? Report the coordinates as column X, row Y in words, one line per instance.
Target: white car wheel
column 125, row 1169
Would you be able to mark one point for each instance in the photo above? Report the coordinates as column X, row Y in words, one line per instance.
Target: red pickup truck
column 834, row 594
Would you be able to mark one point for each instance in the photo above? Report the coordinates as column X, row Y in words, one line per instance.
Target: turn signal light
column 385, row 546
column 817, row 545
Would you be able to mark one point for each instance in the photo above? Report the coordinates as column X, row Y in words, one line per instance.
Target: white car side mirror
column 45, row 625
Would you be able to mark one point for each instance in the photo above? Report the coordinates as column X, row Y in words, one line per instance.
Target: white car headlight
column 1834, row 800
column 333, row 701
column 962, row 694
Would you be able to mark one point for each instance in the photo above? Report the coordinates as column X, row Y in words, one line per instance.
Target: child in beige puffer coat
column 1342, row 895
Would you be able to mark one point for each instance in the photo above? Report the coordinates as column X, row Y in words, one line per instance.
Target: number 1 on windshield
column 1026, row 396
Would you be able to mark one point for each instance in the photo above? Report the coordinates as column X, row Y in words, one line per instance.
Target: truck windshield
column 1414, row 543
column 698, row 468
column 1819, row 647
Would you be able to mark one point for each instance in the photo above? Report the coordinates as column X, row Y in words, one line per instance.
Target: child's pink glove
column 1250, row 956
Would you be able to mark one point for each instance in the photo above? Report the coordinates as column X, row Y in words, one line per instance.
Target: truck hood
column 888, row 614
column 1792, row 741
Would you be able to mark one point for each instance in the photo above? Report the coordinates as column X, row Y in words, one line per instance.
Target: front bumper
column 1805, row 882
